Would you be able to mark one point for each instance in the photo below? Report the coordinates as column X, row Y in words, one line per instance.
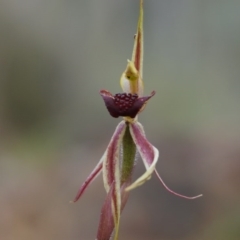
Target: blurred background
column 55, row 56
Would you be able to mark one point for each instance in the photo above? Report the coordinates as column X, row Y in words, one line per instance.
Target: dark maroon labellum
column 124, row 101
column 124, row 104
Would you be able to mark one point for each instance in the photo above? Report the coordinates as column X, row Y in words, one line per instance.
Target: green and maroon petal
column 148, row 152
column 90, row 179
column 106, row 223
column 111, row 173
column 111, row 162
column 123, row 104
column 149, row 156
column 99, row 166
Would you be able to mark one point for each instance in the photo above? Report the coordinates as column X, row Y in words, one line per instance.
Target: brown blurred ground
column 54, row 58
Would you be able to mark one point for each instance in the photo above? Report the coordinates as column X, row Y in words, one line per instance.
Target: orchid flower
column 117, row 163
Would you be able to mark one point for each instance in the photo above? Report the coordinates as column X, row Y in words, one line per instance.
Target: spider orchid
column 128, row 138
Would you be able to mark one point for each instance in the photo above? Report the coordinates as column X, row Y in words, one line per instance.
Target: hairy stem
column 129, row 152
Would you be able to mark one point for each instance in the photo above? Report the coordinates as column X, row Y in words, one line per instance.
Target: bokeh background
column 55, row 56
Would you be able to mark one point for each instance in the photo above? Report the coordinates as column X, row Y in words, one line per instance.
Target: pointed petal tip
column 104, row 92
column 175, row 193
column 140, row 181
column 198, row 196
column 110, row 214
column 137, row 54
column 153, row 93
column 89, row 179
column 108, row 99
column 148, row 152
column 149, row 155
column 133, row 186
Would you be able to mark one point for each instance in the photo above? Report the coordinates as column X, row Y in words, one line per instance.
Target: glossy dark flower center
column 124, row 104
column 124, row 101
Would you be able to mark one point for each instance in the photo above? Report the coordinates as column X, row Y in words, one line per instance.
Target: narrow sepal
column 147, row 151
column 171, row 191
column 111, row 162
column 131, row 79
column 111, row 174
column 149, row 159
column 137, row 55
column 90, row 179
column 107, row 222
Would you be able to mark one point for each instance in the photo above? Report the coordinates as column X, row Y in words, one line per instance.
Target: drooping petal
column 90, row 178
column 128, row 106
column 111, row 162
column 106, row 223
column 147, row 151
column 98, row 167
column 171, row 191
column 111, row 173
column 149, row 154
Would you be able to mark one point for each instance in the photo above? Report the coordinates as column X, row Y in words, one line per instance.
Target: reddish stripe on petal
column 111, row 155
column 106, row 223
column 111, row 177
column 89, row 180
column 147, row 152
column 111, row 163
column 144, row 146
column 138, row 55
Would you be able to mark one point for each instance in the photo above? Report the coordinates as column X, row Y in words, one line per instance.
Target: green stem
column 129, row 152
